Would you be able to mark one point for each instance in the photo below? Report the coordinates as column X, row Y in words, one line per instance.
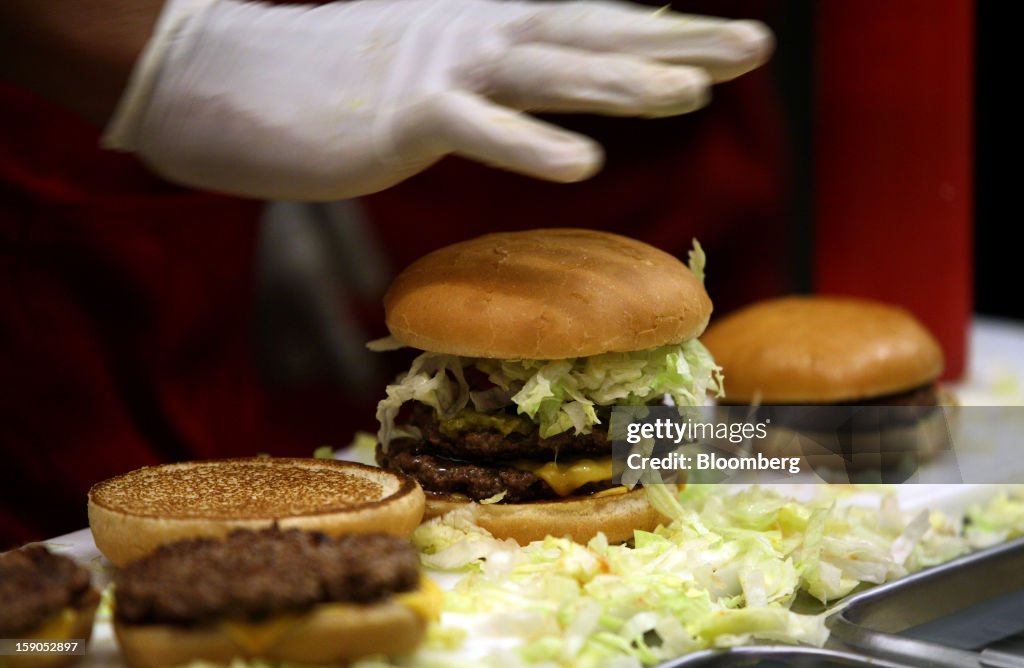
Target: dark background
column 996, row 245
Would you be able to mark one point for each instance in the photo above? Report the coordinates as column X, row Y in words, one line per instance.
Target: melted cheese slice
column 258, row 637
column 566, row 478
column 612, row 491
column 57, row 627
column 425, row 600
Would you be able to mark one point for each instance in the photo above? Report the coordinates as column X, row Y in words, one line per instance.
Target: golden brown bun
column 546, row 294
column 821, row 350
column 133, row 514
column 78, row 627
column 579, row 518
column 328, row 635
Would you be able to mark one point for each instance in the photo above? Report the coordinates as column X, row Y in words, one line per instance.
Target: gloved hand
column 344, row 99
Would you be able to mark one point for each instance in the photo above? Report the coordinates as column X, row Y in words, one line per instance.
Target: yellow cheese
column 611, row 491
column 57, row 627
column 257, row 637
column 425, row 600
column 566, row 478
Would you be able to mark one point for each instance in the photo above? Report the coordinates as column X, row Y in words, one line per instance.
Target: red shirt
column 124, row 305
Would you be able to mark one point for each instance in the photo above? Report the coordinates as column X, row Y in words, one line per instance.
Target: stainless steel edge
column 788, row 655
column 892, row 647
column 964, row 581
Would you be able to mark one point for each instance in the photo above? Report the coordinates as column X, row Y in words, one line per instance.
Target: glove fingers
column 545, row 77
column 481, row 130
column 726, row 49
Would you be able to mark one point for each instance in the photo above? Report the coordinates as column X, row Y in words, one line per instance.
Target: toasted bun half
column 330, row 634
column 133, row 514
column 579, row 518
column 821, row 350
column 546, row 294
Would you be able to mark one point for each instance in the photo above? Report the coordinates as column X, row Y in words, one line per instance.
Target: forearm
column 78, row 53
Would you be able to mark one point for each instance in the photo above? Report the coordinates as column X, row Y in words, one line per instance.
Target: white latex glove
column 344, row 99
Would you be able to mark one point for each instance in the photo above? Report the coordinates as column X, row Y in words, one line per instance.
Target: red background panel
column 893, row 159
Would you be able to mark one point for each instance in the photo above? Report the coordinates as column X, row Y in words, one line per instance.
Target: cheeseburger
column 287, row 596
column 45, row 598
column 836, row 351
column 530, row 339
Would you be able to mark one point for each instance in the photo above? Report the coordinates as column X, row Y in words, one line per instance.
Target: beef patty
column 492, row 444
column 901, row 409
column 256, row 574
column 476, row 480
column 924, row 396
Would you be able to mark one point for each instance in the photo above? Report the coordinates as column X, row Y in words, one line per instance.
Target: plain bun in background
column 821, row 350
column 546, row 294
column 133, row 514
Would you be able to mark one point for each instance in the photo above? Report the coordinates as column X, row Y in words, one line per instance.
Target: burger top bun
column 133, row 514
column 821, row 350
column 546, row 294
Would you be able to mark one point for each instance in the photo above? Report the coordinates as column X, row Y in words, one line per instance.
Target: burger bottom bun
column 895, row 452
column 78, row 628
column 330, row 634
column 579, row 518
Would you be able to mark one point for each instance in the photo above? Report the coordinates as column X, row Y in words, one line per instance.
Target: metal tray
column 968, row 612
column 771, row 656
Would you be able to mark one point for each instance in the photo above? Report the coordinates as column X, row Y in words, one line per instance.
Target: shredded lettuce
column 557, row 394
column 454, row 541
column 434, row 379
column 324, row 452
column 697, row 261
column 362, row 449
column 1001, row 518
column 252, row 663
column 724, row 571
column 705, row 580
column 386, row 344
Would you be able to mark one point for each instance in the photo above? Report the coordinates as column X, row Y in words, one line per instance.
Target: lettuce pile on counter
column 725, row 572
